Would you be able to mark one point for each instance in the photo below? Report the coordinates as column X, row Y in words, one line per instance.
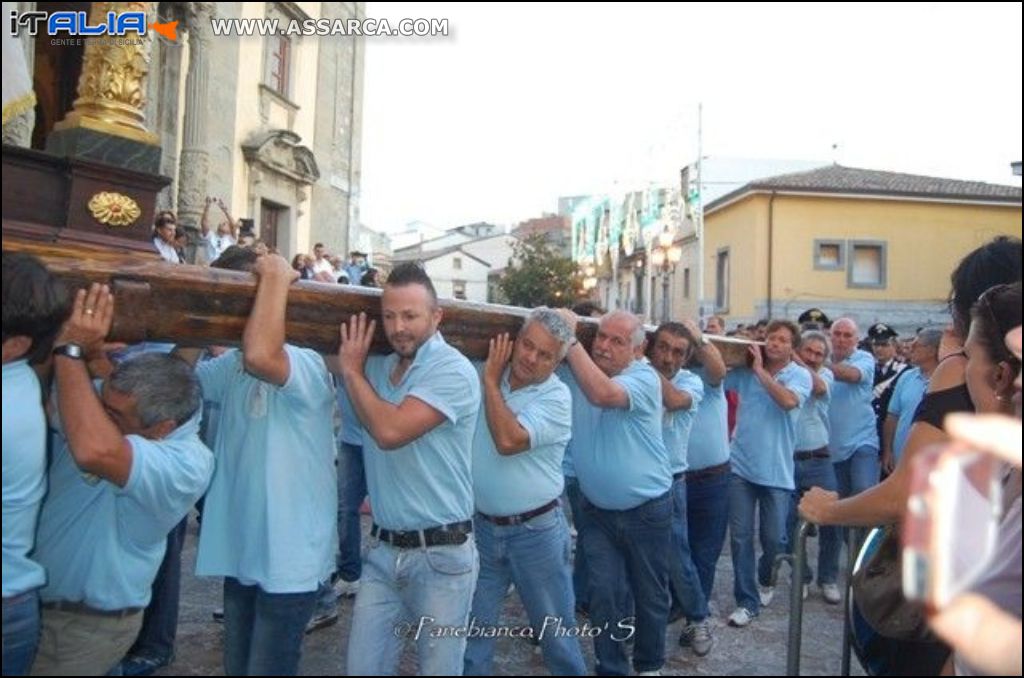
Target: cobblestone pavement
column 759, row 649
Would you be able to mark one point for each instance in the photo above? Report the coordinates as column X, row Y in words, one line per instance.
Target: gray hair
column 817, row 335
column 930, row 336
column 637, row 335
column 554, row 324
column 164, row 387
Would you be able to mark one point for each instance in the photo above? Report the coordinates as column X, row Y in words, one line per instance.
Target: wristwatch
column 73, row 351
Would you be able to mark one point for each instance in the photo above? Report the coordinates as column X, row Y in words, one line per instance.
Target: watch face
column 69, row 350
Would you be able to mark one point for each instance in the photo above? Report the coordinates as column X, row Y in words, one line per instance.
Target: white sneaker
column 346, row 589
column 650, row 673
column 806, row 591
column 831, row 594
column 741, row 616
column 767, row 594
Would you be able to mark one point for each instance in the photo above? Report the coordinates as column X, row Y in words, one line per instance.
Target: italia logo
column 77, row 24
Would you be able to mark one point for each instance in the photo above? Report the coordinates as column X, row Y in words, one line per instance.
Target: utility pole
column 698, row 216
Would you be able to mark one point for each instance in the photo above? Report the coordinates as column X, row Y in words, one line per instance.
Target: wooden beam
column 198, row 305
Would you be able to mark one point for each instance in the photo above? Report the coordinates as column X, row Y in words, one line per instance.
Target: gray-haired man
column 127, row 468
column 906, row 396
column 625, row 475
column 521, row 532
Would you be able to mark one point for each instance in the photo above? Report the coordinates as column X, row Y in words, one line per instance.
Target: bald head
column 847, row 324
column 844, row 338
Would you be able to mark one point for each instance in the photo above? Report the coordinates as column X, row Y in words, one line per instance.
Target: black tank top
column 936, row 405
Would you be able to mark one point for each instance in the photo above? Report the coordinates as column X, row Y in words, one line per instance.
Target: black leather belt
column 451, row 534
column 705, row 473
column 820, row 453
column 82, row 608
column 678, row 476
column 522, row 517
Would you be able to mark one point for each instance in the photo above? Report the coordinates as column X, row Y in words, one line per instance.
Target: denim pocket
column 548, row 520
column 451, row 560
column 657, row 512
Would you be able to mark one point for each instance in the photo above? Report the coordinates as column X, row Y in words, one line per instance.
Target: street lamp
column 664, row 257
column 589, row 276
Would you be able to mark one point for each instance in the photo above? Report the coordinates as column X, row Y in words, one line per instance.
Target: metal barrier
column 797, row 561
column 853, row 540
column 796, row 596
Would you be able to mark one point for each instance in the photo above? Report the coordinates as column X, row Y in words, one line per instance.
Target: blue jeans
column 629, row 551
column 535, row 557
column 21, row 632
column 263, row 631
column 814, row 472
column 423, row 594
column 351, row 493
column 579, row 561
column 707, row 517
column 160, row 621
column 853, row 476
column 773, row 504
column 683, row 579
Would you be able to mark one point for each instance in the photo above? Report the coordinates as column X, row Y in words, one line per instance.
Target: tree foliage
column 539, row 276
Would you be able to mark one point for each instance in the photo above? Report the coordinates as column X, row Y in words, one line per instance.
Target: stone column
column 195, row 158
column 107, row 121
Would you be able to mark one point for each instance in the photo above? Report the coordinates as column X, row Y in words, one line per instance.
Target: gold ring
column 90, row 311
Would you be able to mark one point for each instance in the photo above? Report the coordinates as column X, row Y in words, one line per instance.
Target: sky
column 521, row 104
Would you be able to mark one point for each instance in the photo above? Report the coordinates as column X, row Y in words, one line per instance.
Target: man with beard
column 682, row 391
column 419, row 407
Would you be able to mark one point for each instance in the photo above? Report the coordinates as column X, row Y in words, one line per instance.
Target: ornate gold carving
column 114, row 209
column 112, row 87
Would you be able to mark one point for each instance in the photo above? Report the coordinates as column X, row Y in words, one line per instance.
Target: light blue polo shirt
column 584, row 420
column 676, row 426
column 355, row 272
column 351, row 428
column 102, row 544
column 812, row 428
column 765, row 435
column 24, row 477
column 270, row 517
column 709, row 436
column 506, row 485
column 427, row 482
column 851, row 417
column 626, row 463
column 910, row 389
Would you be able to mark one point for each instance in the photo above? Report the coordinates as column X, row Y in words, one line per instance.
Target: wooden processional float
column 197, row 305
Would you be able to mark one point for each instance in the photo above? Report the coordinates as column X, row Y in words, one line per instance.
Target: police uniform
column 886, row 375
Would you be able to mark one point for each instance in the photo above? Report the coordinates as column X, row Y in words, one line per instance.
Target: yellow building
column 876, row 246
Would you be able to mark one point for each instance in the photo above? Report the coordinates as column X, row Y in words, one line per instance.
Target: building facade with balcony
column 616, row 242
